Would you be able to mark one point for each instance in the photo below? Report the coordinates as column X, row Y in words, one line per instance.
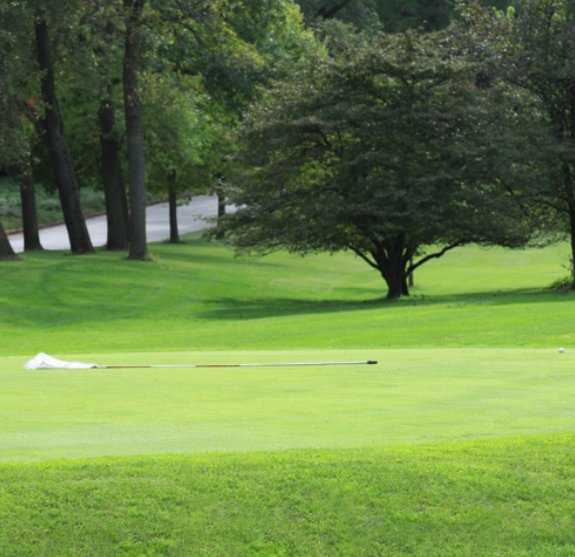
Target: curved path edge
column 191, row 218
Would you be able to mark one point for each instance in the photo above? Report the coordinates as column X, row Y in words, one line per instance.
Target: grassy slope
column 472, row 499
column 198, row 297
column 506, row 496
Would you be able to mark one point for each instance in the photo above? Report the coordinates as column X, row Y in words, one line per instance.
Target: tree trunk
column 60, row 157
column 29, row 212
column 569, row 184
column 572, row 238
column 221, row 205
column 134, row 131
column 396, row 284
column 405, row 285
column 6, row 251
column 112, row 179
column 173, row 202
column 393, row 272
column 392, row 266
column 411, row 277
column 221, row 213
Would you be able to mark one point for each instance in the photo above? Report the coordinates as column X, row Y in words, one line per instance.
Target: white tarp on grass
column 45, row 361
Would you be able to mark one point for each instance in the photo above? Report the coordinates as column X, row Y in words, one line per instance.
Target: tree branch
column 328, row 12
column 435, row 255
column 362, row 255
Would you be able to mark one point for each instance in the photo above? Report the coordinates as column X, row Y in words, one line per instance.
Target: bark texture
column 112, row 179
column 173, row 203
column 29, row 211
column 221, row 214
column 134, row 130
column 6, row 251
column 572, row 239
column 60, row 157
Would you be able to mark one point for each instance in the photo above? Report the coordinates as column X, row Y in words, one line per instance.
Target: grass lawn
column 461, row 442
column 512, row 497
column 198, row 297
column 413, row 396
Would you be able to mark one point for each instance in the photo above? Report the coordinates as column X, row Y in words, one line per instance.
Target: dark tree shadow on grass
column 261, row 308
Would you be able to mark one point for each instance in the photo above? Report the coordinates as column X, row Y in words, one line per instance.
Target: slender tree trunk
column 221, row 205
column 60, row 157
column 29, row 211
column 134, row 130
column 6, row 251
column 173, row 203
column 113, row 182
column 569, row 183
column 405, row 285
column 221, row 213
column 411, row 277
column 572, row 239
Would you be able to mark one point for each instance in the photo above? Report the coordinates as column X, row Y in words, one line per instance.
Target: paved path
column 190, row 217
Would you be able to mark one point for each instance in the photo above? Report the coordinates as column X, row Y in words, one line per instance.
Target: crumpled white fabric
column 45, row 361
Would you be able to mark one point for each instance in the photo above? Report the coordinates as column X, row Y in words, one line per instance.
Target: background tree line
column 140, row 92
column 396, row 130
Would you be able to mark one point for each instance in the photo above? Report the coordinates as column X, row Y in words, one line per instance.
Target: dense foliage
column 397, row 130
column 382, row 151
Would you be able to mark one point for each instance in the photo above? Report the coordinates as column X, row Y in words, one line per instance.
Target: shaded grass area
column 412, row 396
column 512, row 497
column 198, row 296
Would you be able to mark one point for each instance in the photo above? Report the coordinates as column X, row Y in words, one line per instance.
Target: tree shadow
column 262, row 308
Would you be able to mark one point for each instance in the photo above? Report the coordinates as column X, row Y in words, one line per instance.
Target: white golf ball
column 561, row 350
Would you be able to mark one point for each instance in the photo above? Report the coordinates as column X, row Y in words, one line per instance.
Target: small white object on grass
column 44, row 361
column 561, row 350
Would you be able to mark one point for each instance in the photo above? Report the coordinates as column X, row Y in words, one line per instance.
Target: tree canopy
column 384, row 152
column 397, row 130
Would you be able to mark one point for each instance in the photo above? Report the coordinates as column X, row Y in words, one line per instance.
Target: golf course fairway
column 460, row 442
column 411, row 396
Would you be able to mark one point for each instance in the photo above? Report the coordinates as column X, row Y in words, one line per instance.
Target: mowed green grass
column 198, row 296
column 413, row 396
column 461, row 442
column 515, row 497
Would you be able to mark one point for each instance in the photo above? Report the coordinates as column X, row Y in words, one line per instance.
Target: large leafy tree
column 540, row 64
column 528, row 50
column 235, row 55
column 383, row 151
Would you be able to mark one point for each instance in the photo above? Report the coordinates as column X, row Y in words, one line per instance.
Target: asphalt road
column 191, row 218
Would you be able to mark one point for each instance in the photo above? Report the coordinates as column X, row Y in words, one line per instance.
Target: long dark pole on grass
column 196, row 366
